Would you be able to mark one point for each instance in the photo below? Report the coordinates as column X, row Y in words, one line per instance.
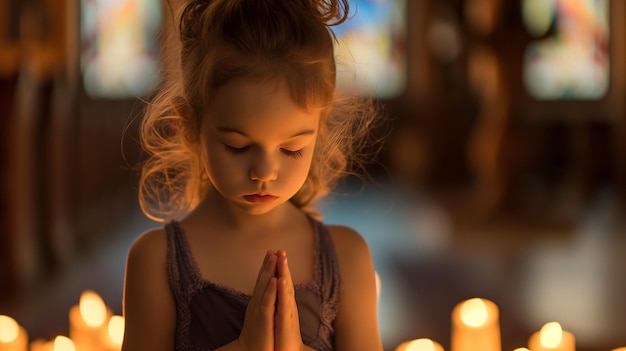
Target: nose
column 264, row 169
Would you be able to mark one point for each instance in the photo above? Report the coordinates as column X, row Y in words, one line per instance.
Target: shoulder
column 353, row 255
column 148, row 302
column 356, row 321
column 146, row 261
column 150, row 244
column 348, row 242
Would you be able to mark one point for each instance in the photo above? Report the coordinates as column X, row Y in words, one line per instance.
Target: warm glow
column 474, row 312
column 619, row 349
column 9, row 329
column 521, row 349
column 92, row 309
column 421, row 345
column 63, row 343
column 551, row 335
column 116, row 329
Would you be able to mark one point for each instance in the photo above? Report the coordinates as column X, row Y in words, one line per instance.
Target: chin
column 257, row 209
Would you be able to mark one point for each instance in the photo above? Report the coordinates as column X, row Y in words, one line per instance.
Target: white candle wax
column 552, row 337
column 475, row 326
column 13, row 337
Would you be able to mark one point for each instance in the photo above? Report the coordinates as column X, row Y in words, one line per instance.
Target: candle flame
column 92, row 309
column 551, row 335
column 377, row 280
column 421, row 345
column 63, row 343
column 521, row 349
column 474, row 312
column 116, row 329
column 9, row 329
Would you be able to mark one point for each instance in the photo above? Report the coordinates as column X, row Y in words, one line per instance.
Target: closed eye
column 236, row 150
column 295, row 154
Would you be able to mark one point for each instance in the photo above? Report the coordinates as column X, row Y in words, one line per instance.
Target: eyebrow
column 237, row 131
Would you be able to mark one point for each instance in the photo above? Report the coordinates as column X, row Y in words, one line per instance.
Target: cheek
column 220, row 167
column 301, row 170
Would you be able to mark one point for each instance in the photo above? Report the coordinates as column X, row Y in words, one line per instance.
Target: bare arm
column 149, row 308
column 356, row 325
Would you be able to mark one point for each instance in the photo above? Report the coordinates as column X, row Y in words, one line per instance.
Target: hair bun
column 190, row 23
column 331, row 12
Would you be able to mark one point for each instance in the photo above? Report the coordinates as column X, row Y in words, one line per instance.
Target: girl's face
column 257, row 144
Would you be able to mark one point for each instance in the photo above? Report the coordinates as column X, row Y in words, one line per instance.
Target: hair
column 261, row 41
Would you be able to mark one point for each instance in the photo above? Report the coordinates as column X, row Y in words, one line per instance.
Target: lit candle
column 63, row 343
column 13, row 337
column 475, row 326
column 88, row 322
column 115, row 335
column 419, row 345
column 552, row 337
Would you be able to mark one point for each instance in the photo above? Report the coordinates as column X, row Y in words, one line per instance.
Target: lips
column 260, row 198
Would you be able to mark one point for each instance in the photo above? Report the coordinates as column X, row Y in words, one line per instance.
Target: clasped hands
column 271, row 322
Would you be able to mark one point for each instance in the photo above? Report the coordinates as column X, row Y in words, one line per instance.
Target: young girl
column 242, row 138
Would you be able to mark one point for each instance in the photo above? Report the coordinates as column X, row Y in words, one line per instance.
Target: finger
column 283, row 269
column 263, row 265
column 266, row 272
column 269, row 297
column 286, row 293
column 285, row 298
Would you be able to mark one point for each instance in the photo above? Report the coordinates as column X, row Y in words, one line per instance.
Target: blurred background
column 503, row 175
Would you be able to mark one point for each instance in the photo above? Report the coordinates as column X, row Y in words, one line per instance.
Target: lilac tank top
column 210, row 315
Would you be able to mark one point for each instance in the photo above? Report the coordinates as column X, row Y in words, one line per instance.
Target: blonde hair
column 261, row 40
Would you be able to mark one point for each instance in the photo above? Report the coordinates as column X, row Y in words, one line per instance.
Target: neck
column 219, row 212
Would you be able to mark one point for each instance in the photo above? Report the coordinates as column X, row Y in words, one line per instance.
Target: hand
column 257, row 333
column 287, row 335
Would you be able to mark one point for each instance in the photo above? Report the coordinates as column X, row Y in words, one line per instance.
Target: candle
column 63, row 343
column 13, row 337
column 115, row 335
column 475, row 326
column 419, row 345
column 88, row 322
column 552, row 337
column 377, row 280
column 42, row 345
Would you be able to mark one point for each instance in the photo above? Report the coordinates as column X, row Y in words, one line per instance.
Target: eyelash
column 236, row 150
column 240, row 150
column 294, row 154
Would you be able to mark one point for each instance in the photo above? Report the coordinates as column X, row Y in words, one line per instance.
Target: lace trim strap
column 183, row 281
column 330, row 281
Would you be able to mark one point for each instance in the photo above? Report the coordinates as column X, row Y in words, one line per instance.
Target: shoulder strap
column 182, row 275
column 330, row 279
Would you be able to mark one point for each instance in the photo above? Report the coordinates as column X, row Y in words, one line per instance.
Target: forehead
column 258, row 107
